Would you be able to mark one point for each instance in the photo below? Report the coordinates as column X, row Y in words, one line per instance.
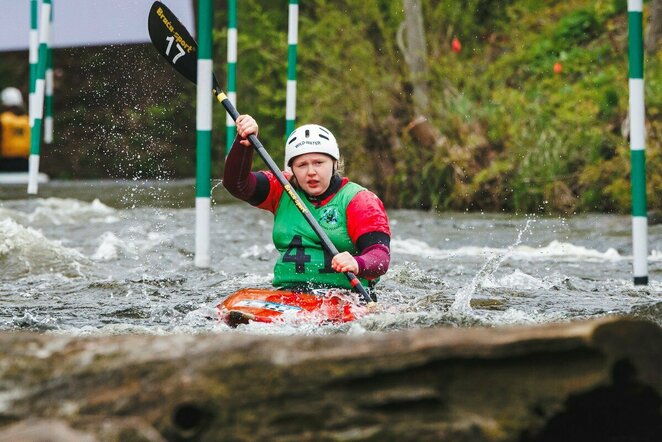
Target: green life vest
column 303, row 261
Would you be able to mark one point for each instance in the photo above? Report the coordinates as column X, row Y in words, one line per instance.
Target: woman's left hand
column 344, row 262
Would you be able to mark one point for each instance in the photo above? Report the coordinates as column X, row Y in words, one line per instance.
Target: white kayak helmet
column 12, row 97
column 310, row 138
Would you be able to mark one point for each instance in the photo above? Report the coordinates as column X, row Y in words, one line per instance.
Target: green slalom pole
column 38, row 104
column 203, row 126
column 637, row 142
column 48, row 104
column 292, row 38
column 34, row 57
column 230, row 128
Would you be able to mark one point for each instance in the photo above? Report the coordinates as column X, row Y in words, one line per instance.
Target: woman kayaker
column 353, row 217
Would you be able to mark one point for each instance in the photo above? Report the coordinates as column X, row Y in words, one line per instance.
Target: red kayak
column 264, row 305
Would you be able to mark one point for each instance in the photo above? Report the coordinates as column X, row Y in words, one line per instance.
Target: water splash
column 111, row 248
column 463, row 296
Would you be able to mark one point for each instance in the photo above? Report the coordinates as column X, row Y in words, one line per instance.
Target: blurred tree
column 654, row 34
column 415, row 53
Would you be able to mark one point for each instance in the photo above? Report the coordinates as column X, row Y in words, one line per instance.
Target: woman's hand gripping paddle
column 175, row 43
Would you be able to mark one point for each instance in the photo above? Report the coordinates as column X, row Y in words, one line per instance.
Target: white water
column 98, row 266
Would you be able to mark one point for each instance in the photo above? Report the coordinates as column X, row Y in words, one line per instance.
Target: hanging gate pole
column 38, row 102
column 637, row 142
column 230, row 130
column 203, row 132
column 48, row 112
column 34, row 57
column 292, row 38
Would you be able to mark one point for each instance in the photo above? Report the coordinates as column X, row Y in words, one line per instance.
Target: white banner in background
column 87, row 22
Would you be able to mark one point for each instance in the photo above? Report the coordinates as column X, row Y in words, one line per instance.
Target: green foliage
column 558, row 133
column 577, row 28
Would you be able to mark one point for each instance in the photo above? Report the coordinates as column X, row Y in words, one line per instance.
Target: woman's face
column 313, row 172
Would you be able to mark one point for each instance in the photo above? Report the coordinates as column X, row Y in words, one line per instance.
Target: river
column 111, row 257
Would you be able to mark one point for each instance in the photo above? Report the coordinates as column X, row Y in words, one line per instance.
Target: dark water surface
column 103, row 257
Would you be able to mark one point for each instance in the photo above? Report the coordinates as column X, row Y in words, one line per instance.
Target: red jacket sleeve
column 367, row 225
column 237, row 176
column 366, row 214
column 260, row 189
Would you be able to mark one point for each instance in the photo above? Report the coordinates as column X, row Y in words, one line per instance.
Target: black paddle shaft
column 166, row 33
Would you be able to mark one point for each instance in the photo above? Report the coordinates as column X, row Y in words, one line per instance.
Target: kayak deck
column 264, row 305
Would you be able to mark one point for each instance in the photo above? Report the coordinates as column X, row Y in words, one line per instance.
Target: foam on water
column 264, row 252
column 515, row 316
column 112, row 247
column 24, row 250
column 554, row 251
column 557, row 250
column 33, row 320
column 290, row 328
column 408, row 273
column 60, row 211
column 517, row 280
column 14, row 215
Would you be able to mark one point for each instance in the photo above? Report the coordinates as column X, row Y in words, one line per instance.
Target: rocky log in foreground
column 598, row 380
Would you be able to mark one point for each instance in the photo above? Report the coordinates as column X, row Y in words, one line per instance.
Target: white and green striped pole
column 203, row 126
column 38, row 104
column 637, row 142
column 33, row 55
column 230, row 130
column 292, row 37
column 48, row 112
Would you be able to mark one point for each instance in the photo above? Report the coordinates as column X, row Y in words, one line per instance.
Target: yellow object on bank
column 15, row 142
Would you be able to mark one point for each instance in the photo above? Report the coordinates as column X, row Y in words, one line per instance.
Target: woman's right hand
column 246, row 126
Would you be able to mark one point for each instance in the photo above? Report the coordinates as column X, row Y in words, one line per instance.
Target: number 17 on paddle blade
column 174, row 43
